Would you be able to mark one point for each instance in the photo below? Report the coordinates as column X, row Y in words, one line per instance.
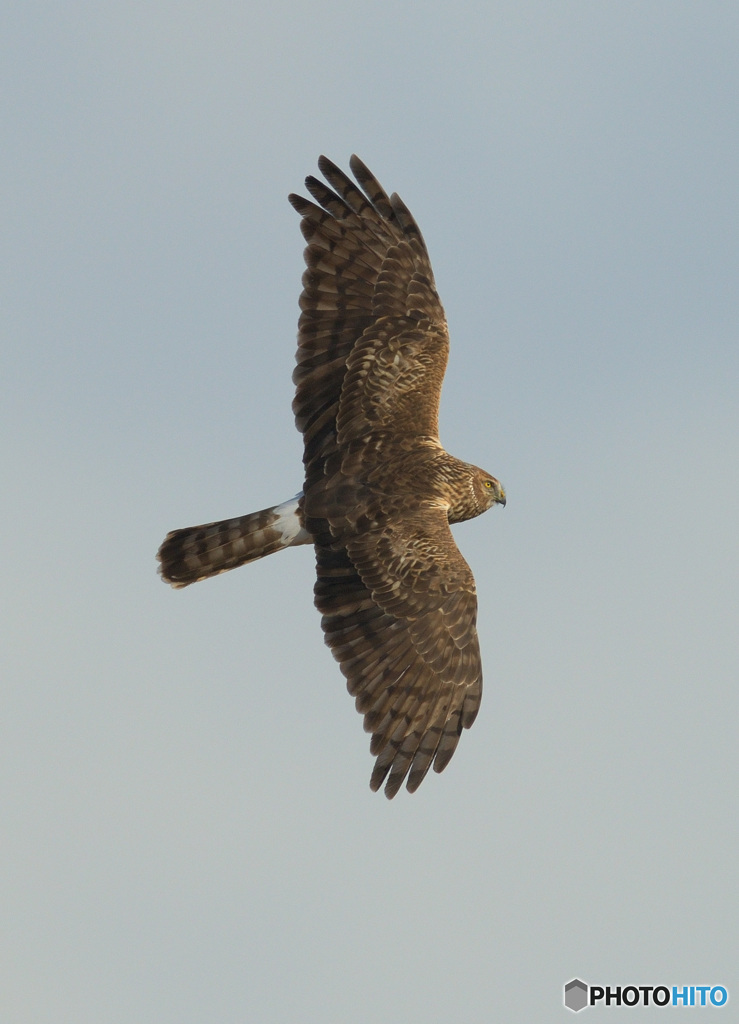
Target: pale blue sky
column 188, row 833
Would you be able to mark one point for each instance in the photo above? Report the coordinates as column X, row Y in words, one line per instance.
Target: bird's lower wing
column 411, row 657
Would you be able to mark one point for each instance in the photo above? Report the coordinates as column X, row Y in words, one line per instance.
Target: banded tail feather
column 198, row 552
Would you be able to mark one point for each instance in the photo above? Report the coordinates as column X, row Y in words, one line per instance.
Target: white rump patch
column 287, row 522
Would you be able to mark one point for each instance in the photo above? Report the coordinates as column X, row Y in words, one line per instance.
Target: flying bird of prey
column 397, row 598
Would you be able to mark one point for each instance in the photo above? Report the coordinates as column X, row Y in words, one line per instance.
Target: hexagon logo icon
column 576, row 995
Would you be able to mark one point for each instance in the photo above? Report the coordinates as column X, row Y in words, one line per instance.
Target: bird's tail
column 198, row 552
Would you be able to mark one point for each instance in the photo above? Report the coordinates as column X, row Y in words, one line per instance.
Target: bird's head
column 488, row 490
column 480, row 492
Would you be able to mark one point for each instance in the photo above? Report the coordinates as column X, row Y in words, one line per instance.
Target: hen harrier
column 397, row 599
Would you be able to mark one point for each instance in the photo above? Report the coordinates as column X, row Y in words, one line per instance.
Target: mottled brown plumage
column 397, row 598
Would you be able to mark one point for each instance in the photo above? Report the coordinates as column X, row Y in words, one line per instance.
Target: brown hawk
column 397, row 597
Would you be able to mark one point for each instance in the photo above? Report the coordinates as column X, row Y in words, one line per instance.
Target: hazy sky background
column 188, row 835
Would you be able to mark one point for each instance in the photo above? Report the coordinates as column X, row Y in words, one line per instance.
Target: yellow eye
column 488, row 484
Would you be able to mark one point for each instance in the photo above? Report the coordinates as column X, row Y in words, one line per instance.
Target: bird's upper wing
column 369, row 309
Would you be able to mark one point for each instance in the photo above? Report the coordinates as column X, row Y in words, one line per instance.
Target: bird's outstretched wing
column 397, row 598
